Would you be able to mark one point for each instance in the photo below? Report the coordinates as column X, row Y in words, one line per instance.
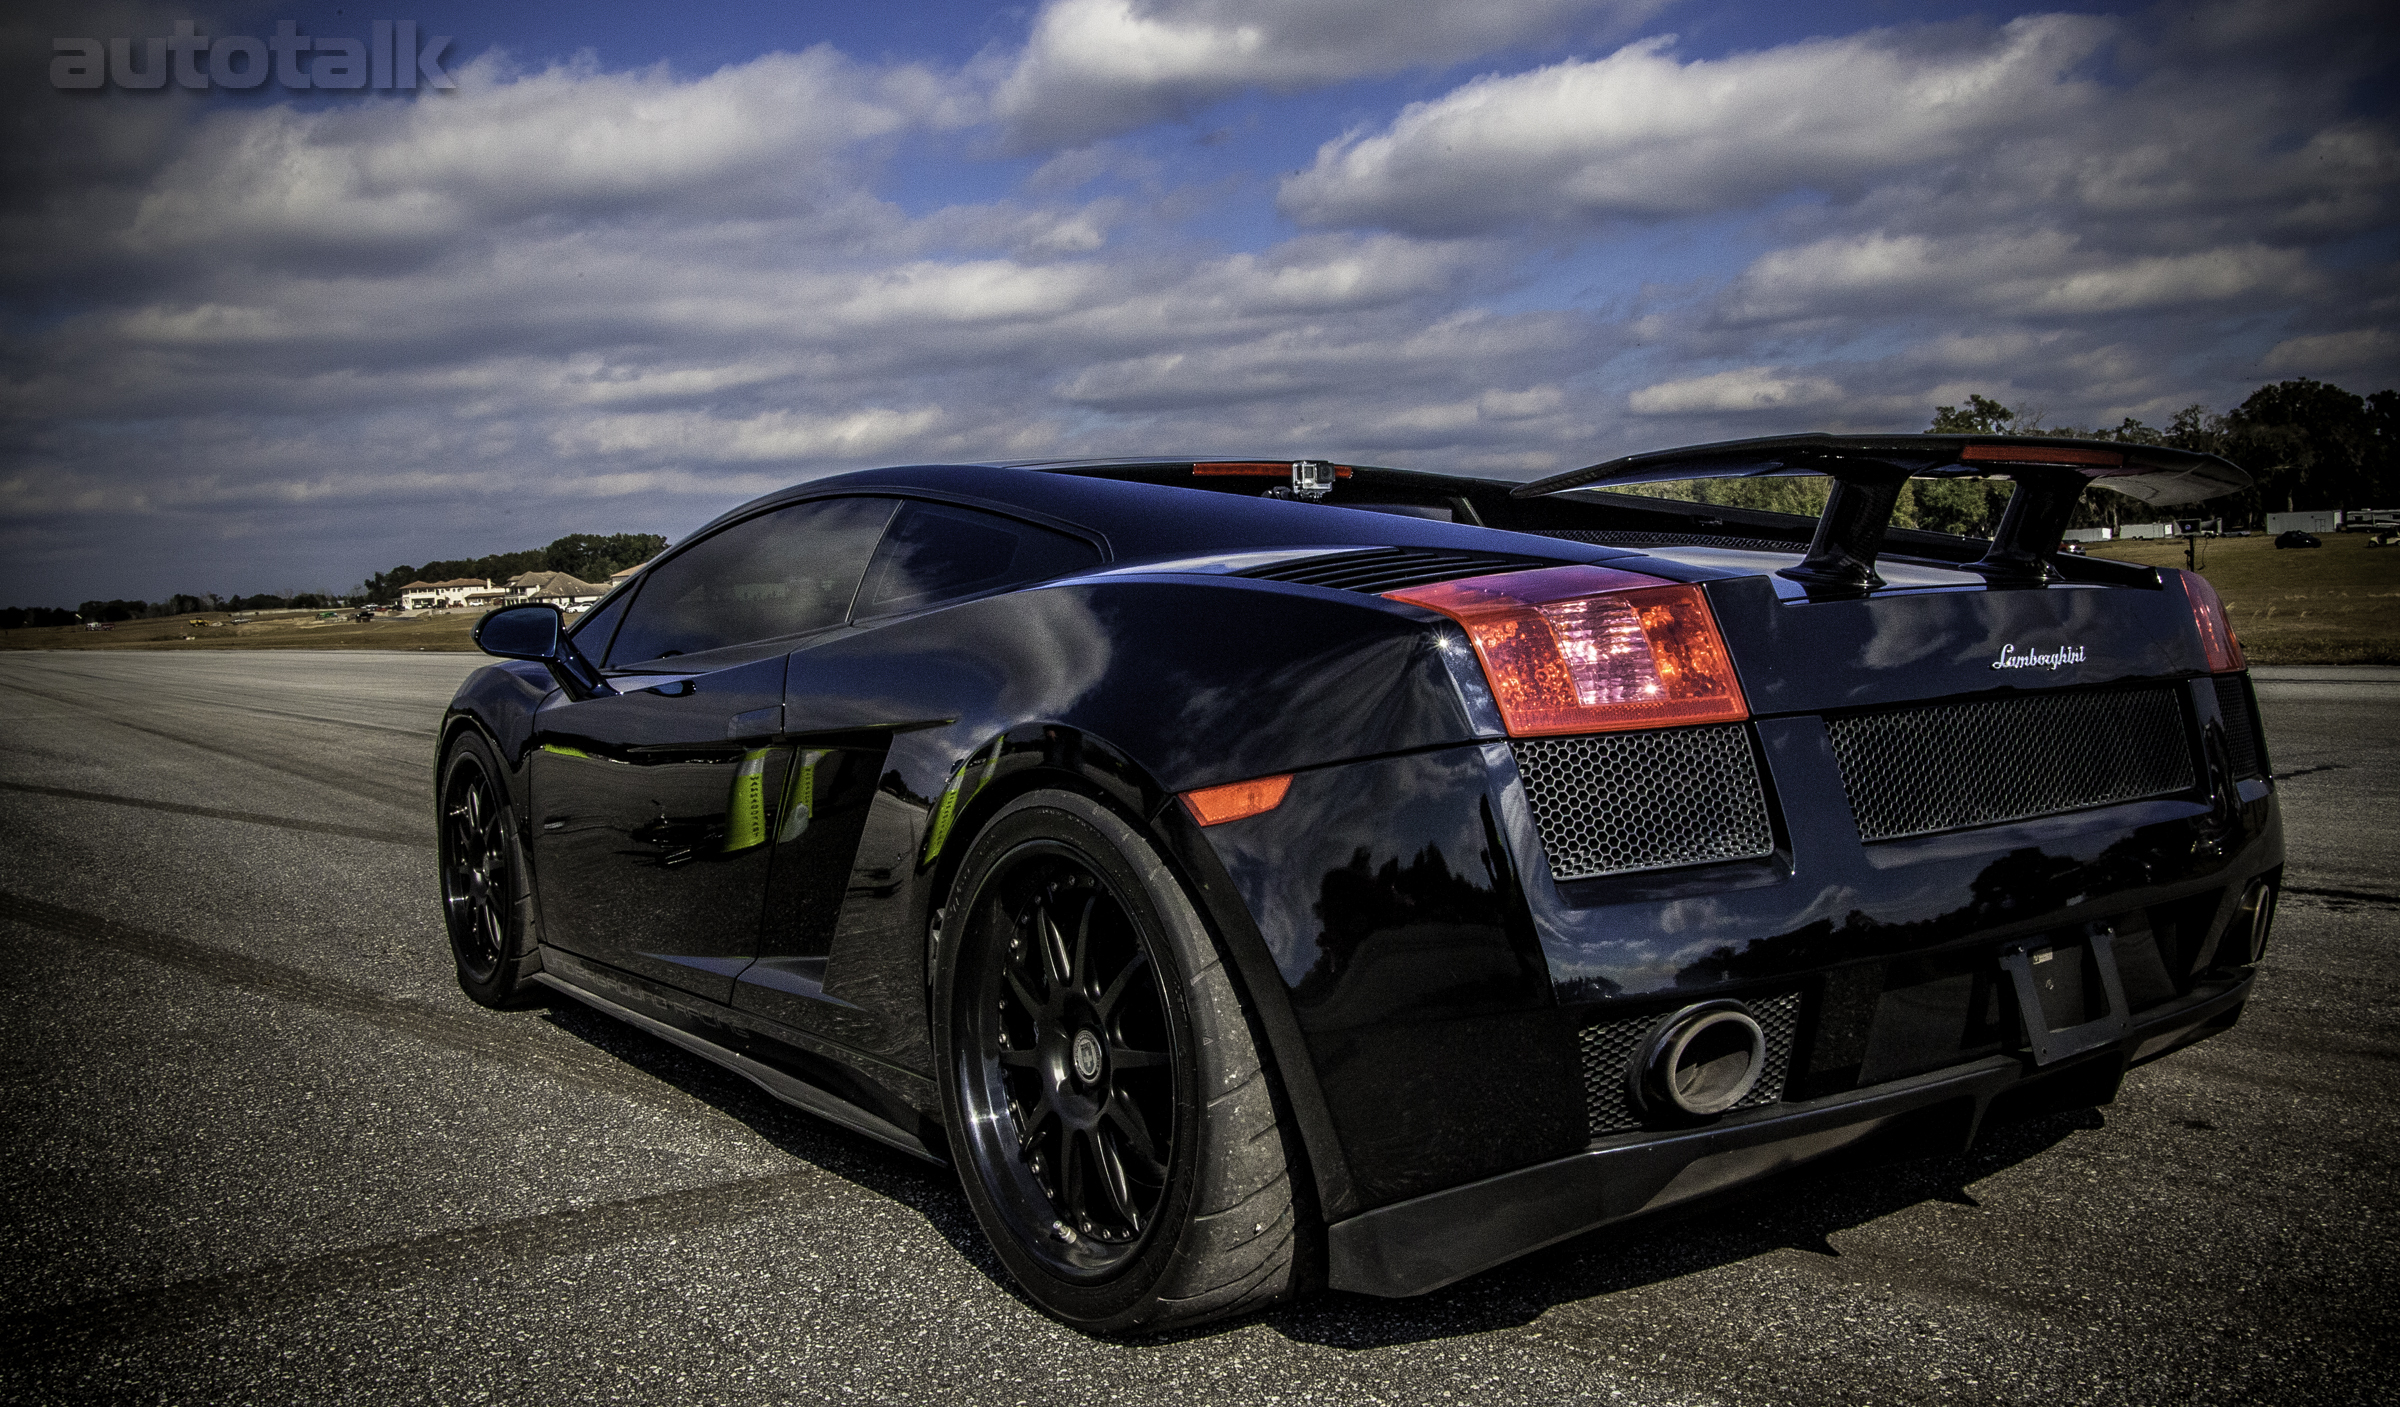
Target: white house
column 433, row 595
column 556, row 588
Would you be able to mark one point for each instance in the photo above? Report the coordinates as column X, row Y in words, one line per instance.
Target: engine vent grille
column 1614, row 537
column 2245, row 750
column 1915, row 771
column 1392, row 569
column 1609, row 1050
column 1613, row 803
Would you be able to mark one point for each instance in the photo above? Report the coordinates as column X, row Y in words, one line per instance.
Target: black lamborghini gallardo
column 1254, row 875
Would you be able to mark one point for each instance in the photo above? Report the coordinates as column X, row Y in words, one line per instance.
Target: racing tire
column 487, row 894
column 1108, row 1107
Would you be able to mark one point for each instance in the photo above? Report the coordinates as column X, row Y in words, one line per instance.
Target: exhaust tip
column 2255, row 919
column 1699, row 1062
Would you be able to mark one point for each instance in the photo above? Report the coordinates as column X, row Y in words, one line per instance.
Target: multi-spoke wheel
column 484, row 900
column 1106, row 1103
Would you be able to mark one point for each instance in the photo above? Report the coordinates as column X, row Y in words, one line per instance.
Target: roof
column 553, row 584
column 464, row 582
column 1140, row 520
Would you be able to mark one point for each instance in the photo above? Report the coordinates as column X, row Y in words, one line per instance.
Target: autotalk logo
column 390, row 57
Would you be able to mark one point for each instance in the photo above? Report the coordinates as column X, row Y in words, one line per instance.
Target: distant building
column 433, row 595
column 615, row 577
column 553, row 588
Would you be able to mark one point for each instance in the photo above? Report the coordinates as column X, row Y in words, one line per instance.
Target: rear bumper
column 1424, row 1243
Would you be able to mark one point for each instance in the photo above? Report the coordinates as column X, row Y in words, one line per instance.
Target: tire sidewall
column 1148, row 893
column 504, row 985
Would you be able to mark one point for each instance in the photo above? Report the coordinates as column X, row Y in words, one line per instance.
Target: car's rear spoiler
column 2051, row 473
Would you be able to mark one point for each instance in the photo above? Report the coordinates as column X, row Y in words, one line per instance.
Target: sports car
column 1259, row 875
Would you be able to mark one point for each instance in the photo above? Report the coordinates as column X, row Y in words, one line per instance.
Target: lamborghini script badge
column 2038, row 659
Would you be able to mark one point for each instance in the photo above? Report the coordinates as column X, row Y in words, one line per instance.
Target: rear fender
column 1036, row 756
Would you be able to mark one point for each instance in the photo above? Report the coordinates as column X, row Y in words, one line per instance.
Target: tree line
column 2306, row 445
column 585, row 556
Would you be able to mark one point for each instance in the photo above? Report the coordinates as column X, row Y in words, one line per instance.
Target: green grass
column 447, row 631
column 2336, row 604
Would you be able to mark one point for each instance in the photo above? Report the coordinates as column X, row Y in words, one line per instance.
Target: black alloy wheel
column 1108, row 1107
column 1071, row 1066
column 484, row 887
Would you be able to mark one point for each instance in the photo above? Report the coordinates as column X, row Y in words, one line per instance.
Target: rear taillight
column 1591, row 649
column 2217, row 640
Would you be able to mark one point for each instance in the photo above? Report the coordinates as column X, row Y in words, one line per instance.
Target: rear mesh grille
column 1609, row 1051
column 1914, row 771
column 1617, row 802
column 2245, row 751
column 1391, row 569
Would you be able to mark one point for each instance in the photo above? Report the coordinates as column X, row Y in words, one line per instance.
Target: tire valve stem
column 1063, row 1232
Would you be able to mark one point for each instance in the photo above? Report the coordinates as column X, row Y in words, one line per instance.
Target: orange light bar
column 1592, row 649
column 1214, row 806
column 2217, row 641
column 1256, row 469
column 2039, row 454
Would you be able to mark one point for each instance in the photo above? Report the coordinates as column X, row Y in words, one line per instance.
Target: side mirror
column 538, row 633
column 521, row 633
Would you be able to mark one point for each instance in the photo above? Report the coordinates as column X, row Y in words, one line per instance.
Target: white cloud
column 2371, row 349
column 1736, row 392
column 1094, row 68
column 1952, row 122
column 1638, row 133
column 2041, row 272
column 767, row 135
column 771, row 435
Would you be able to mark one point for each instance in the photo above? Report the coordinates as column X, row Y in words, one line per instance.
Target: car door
column 846, row 838
column 657, row 805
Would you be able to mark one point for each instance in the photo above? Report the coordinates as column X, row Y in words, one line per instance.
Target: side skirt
column 782, row 1084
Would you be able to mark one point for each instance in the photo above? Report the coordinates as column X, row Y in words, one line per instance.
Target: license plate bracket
column 2049, row 980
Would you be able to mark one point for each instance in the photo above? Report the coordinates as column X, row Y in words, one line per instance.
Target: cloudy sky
column 641, row 264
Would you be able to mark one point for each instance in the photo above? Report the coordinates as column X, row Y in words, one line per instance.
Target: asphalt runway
column 260, row 1149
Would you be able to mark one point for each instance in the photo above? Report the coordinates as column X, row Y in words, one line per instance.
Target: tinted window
column 936, row 553
column 592, row 631
column 780, row 573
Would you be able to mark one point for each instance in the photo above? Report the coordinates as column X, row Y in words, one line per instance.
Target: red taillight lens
column 1591, row 649
column 2217, row 640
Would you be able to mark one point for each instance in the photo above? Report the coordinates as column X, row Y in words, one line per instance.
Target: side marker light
column 1214, row 806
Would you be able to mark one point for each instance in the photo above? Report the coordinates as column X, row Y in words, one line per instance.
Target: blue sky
column 645, row 261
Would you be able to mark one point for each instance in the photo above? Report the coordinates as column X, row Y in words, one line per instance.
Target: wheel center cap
column 1087, row 1056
